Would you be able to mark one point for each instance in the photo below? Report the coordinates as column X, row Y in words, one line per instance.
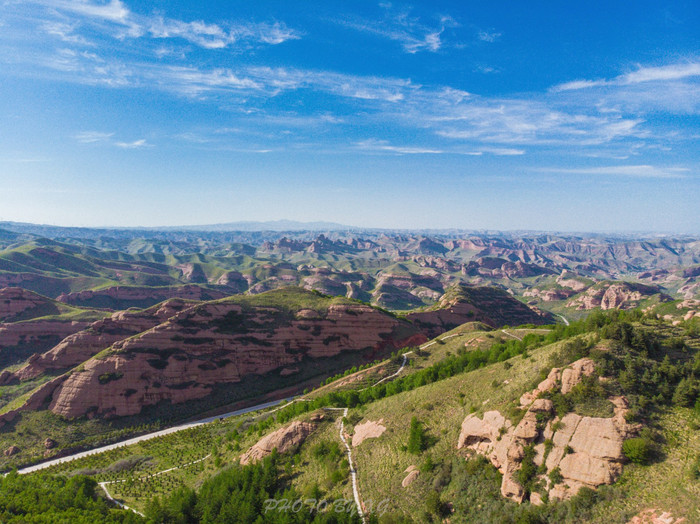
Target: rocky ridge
column 585, row 451
column 186, row 356
column 618, row 295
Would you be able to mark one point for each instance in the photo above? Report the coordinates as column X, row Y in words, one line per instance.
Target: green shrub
column 639, row 450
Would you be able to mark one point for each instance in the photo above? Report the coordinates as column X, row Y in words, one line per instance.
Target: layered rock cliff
column 616, row 295
column 489, row 305
column 123, row 297
column 220, row 342
column 573, row 451
column 15, row 301
column 80, row 346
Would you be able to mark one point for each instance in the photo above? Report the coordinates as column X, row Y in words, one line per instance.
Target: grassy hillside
column 447, row 382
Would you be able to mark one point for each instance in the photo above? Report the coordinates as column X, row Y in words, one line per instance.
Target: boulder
column 12, row 450
column 369, row 429
column 412, row 475
column 284, row 439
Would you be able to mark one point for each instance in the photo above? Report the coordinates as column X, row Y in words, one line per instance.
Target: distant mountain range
column 272, row 225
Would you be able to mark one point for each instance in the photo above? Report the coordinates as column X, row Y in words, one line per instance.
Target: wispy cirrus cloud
column 678, row 71
column 384, row 146
column 635, row 171
column 136, row 144
column 91, row 137
column 587, row 113
column 400, row 26
column 100, row 137
column 117, row 20
column 488, row 36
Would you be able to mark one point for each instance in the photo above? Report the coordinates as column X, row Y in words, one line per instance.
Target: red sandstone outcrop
column 15, row 300
column 565, row 280
column 36, row 334
column 586, row 450
column 462, row 304
column 12, row 450
column 234, row 281
column 80, row 346
column 219, row 342
column 622, row 295
column 193, row 273
column 550, row 295
column 284, row 439
column 126, row 296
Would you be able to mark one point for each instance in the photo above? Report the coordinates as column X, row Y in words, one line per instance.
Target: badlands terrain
column 453, row 375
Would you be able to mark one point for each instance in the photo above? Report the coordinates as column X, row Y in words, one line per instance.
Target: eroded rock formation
column 585, row 451
column 213, row 343
column 620, row 295
column 284, row 439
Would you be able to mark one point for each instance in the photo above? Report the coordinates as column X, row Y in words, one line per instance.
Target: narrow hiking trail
column 353, row 471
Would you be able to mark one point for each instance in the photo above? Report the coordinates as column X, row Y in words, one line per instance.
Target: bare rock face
column 572, row 375
column 547, row 384
column 369, row 429
column 214, row 343
column 565, row 280
column 34, row 336
column 587, row 450
column 80, row 346
column 620, row 295
column 490, row 305
column 550, row 295
column 234, row 281
column 284, row 439
column 122, row 297
column 15, row 301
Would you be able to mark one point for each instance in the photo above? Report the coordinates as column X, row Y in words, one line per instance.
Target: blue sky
column 569, row 116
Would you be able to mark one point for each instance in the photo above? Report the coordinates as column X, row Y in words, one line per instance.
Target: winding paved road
column 149, row 436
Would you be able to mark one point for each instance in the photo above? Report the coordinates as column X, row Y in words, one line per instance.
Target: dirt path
column 511, row 335
column 353, row 472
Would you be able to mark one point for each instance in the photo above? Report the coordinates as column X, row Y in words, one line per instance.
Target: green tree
column 416, row 439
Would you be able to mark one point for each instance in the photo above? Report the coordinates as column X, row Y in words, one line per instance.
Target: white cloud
column 114, row 10
column 214, row 36
column 501, row 151
column 678, row 71
column 136, row 144
column 668, row 72
column 384, row 146
column 399, row 26
column 488, row 36
column 636, row 171
column 90, row 137
column 116, row 20
column 100, row 137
